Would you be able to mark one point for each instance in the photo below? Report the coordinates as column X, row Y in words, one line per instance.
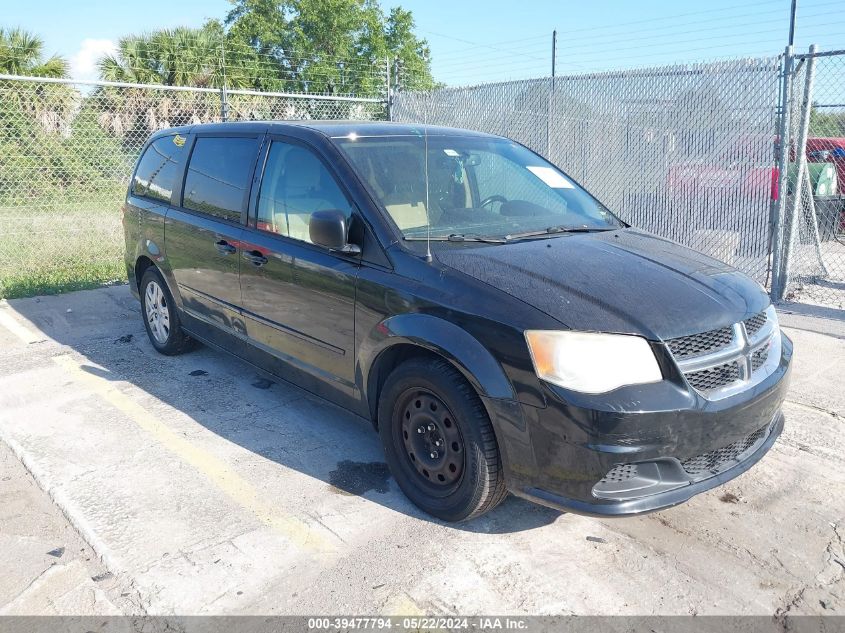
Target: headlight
column 591, row 362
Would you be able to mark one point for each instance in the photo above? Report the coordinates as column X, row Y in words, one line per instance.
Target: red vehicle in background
column 734, row 173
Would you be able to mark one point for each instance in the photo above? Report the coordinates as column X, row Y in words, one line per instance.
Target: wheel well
column 385, row 363
column 141, row 266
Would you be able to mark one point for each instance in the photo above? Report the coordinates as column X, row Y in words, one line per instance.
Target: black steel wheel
column 433, row 443
column 439, row 442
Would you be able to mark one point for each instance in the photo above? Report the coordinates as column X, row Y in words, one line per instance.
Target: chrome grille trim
column 754, row 348
column 753, row 325
column 698, row 344
column 711, row 378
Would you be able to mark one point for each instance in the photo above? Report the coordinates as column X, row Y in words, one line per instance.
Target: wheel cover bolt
column 434, row 455
column 421, row 429
column 438, row 443
column 430, row 426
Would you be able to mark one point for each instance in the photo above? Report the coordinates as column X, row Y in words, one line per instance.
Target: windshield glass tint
column 476, row 186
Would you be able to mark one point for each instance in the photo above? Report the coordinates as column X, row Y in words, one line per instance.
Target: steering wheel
column 491, row 199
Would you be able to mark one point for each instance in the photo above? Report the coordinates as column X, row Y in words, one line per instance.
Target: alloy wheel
column 158, row 312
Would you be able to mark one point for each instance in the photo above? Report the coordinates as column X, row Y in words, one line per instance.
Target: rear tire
column 439, row 442
column 161, row 319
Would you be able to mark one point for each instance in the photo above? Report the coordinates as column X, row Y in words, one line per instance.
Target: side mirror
column 330, row 228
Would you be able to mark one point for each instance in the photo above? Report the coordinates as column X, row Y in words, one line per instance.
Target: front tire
column 439, row 442
column 161, row 319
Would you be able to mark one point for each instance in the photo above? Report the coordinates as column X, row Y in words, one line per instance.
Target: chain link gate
column 66, row 154
column 809, row 253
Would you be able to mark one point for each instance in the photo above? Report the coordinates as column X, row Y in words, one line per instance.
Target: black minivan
column 503, row 330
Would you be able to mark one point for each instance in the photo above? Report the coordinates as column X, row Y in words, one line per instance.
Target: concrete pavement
column 204, row 489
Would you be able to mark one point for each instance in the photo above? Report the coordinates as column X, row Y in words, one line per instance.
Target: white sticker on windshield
column 450, row 152
column 552, row 178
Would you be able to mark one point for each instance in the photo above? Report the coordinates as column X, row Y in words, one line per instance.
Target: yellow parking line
column 24, row 333
column 299, row 532
column 401, row 604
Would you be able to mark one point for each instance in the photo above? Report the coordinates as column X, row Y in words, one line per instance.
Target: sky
column 477, row 41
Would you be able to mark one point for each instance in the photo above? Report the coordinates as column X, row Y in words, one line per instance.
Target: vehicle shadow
column 273, row 419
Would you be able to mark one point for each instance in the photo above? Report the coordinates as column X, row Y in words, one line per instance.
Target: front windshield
column 482, row 187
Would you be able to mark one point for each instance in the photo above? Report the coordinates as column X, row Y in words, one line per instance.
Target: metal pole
column 550, row 102
column 224, row 102
column 801, row 159
column 792, row 22
column 782, row 168
column 389, row 104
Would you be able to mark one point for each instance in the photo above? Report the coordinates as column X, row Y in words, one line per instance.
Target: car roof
column 331, row 129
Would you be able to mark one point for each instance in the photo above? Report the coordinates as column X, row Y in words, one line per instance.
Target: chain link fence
column 685, row 151
column 813, row 260
column 66, row 154
column 691, row 152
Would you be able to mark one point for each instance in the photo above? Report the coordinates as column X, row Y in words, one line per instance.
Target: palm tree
column 49, row 105
column 172, row 57
column 22, row 53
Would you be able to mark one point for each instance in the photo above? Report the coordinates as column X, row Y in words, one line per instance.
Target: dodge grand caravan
column 502, row 329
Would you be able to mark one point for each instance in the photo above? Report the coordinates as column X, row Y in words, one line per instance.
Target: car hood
column 625, row 281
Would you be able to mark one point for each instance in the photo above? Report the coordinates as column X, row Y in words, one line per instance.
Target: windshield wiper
column 552, row 230
column 458, row 237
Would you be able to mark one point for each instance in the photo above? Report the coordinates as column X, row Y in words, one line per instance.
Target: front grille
column 714, row 377
column 759, row 358
column 620, row 473
column 697, row 344
column 754, row 324
column 722, row 362
column 717, row 460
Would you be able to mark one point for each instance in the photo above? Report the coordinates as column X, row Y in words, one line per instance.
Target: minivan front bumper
column 640, row 449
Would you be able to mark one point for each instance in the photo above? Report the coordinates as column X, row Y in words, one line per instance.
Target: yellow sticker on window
column 179, row 141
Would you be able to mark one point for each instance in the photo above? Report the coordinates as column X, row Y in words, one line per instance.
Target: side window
column 218, row 176
column 295, row 184
column 158, row 169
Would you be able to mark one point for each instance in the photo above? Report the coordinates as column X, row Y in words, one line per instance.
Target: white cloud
column 83, row 65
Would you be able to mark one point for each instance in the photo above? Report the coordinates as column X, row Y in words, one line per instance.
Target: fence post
column 791, row 232
column 782, row 167
column 224, row 103
column 388, row 93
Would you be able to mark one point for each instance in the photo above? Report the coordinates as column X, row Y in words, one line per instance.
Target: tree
column 25, row 104
column 172, row 57
column 331, row 46
column 22, row 53
column 827, row 123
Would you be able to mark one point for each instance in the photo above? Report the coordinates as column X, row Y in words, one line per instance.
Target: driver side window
column 296, row 184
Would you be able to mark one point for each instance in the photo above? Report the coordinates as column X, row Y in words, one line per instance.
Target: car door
column 298, row 297
column 203, row 234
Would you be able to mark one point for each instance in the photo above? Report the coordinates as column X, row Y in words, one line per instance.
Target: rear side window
column 218, row 176
column 158, row 168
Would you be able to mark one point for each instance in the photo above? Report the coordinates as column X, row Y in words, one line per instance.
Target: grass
column 64, row 279
column 53, row 244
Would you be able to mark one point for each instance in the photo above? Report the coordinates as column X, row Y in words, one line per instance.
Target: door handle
column 224, row 248
column 255, row 258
